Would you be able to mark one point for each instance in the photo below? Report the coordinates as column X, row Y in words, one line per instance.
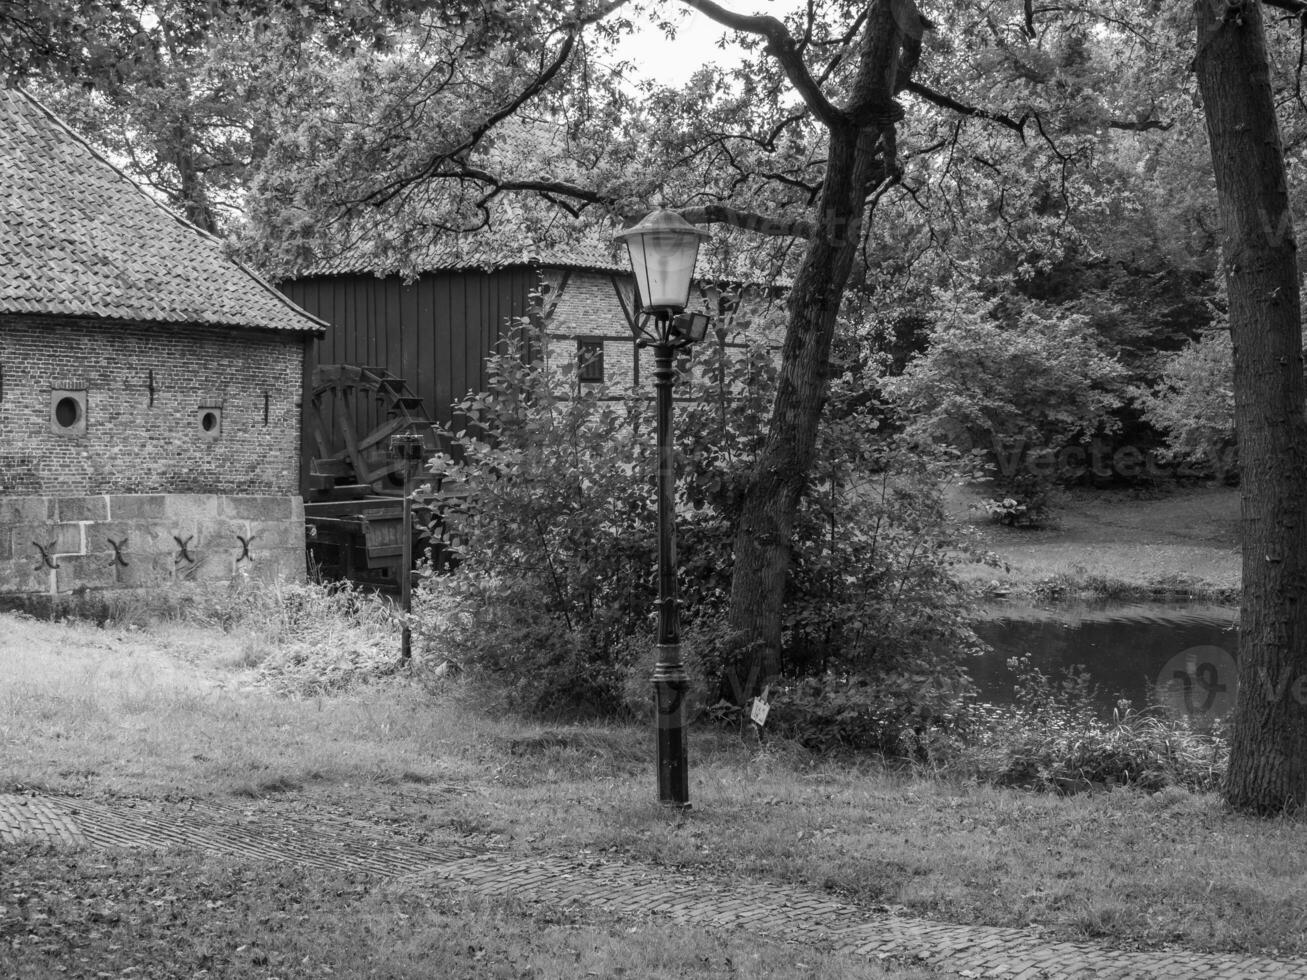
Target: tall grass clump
column 299, row 637
column 322, row 637
column 1054, row 739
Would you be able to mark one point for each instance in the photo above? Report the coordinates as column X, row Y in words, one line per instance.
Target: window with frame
column 589, row 360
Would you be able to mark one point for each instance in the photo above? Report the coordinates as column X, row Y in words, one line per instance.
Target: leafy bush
column 872, row 594
column 1192, row 404
column 1054, row 740
column 704, row 647
column 548, row 493
column 1013, row 385
column 503, row 629
column 901, row 715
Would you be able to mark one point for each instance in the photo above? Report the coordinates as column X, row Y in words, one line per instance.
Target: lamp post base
column 671, row 685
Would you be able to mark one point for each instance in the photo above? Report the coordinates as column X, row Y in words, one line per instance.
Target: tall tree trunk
column 1268, row 750
column 194, row 195
column 858, row 157
column 762, row 541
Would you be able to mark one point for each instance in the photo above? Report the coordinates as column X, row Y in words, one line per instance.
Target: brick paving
column 780, row 912
column 26, row 817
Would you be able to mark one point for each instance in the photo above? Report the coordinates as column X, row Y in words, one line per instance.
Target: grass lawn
column 175, row 709
column 1116, row 543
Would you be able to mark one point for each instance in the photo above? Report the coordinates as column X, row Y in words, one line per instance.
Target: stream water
column 1178, row 654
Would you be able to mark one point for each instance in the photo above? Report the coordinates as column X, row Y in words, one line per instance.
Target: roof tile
column 79, row 238
column 480, row 250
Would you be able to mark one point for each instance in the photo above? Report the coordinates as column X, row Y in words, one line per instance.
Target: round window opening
column 209, row 421
column 67, row 412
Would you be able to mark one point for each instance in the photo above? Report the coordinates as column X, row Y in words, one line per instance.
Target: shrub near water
column 898, row 715
column 1015, row 383
column 1053, row 739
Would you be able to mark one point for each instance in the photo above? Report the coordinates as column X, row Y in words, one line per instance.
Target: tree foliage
column 1193, row 404
column 1014, row 383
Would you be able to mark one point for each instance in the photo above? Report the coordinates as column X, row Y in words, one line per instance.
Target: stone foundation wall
column 130, row 541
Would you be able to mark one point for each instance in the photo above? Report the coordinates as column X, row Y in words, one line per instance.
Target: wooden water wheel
column 352, row 415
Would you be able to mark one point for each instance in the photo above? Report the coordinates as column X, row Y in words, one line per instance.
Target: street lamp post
column 663, row 248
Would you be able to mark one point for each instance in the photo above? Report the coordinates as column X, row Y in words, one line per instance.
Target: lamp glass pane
column 698, row 326
column 663, row 263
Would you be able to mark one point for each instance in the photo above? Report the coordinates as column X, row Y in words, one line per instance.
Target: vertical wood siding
column 434, row 333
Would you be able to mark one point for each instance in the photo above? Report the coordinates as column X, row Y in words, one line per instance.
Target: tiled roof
column 488, row 251
column 79, row 238
column 480, row 250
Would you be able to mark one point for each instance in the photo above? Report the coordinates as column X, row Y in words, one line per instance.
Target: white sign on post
column 759, row 713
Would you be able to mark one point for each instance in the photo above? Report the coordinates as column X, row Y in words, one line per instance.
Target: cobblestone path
column 780, row 912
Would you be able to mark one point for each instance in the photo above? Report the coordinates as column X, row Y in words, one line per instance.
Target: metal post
column 669, row 678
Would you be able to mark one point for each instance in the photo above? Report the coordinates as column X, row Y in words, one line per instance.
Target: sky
column 673, row 62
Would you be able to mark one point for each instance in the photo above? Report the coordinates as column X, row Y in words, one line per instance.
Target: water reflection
column 1126, row 649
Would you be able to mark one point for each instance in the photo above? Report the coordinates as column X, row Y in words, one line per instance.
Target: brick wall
column 136, row 442
column 587, row 308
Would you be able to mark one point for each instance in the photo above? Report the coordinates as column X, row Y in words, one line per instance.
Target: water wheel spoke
column 388, row 429
column 343, row 396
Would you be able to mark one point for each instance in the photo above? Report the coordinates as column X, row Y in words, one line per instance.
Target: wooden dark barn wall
column 434, row 332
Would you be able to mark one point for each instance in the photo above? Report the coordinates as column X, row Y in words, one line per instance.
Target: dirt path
column 1184, row 540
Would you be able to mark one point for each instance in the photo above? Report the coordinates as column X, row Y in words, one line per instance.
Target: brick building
column 435, row 327
column 150, row 386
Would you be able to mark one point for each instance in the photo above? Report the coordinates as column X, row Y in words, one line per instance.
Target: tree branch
column 526, row 94
column 948, row 102
column 748, row 220
column 843, row 46
column 781, row 46
column 555, row 188
column 1139, row 125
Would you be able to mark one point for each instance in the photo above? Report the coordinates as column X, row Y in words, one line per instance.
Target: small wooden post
column 406, row 570
column 406, row 447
